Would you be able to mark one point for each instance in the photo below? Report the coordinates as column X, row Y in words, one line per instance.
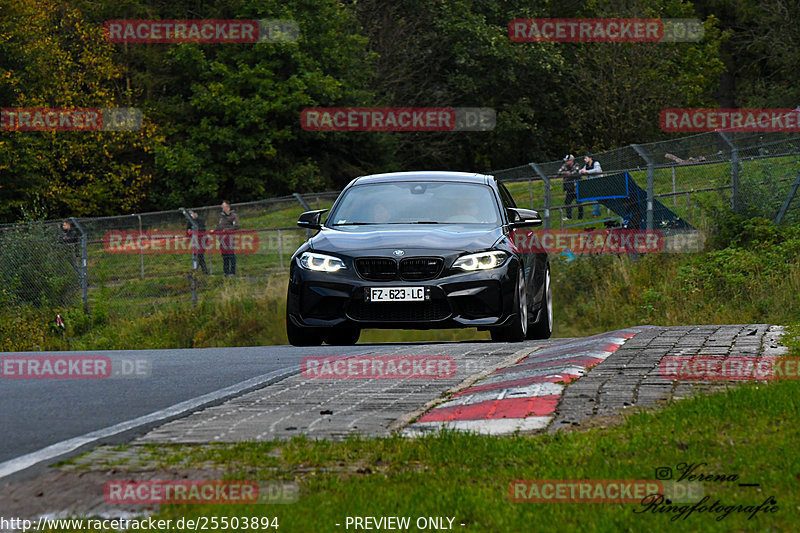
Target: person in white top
column 591, row 167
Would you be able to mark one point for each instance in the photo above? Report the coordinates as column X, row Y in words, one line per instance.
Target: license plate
column 397, row 294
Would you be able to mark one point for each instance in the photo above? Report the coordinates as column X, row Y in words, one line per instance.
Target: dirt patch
column 62, row 493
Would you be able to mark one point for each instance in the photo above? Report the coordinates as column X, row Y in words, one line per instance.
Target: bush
column 37, row 268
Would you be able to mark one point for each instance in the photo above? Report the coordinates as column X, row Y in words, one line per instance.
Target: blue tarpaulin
column 622, row 195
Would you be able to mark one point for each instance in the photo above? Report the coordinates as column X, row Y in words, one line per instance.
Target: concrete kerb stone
column 406, row 419
column 524, row 396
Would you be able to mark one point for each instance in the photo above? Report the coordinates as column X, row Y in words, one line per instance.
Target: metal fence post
column 193, row 282
column 530, row 191
column 84, row 266
column 785, row 206
column 547, row 203
column 141, row 256
column 280, row 248
column 734, row 171
column 674, row 196
column 650, row 183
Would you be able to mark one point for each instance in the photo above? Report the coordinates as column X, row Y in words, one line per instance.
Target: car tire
column 518, row 329
column 301, row 336
column 543, row 327
column 342, row 336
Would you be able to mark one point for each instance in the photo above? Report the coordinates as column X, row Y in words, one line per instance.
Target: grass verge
column 746, row 433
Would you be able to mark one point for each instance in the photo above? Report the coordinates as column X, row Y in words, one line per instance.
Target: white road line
column 59, row 449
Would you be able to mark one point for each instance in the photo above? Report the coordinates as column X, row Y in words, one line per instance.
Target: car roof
column 426, row 175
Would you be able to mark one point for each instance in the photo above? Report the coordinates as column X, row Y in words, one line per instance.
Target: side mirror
column 523, row 218
column 311, row 219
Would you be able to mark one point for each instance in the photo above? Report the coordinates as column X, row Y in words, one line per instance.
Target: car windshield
column 417, row 202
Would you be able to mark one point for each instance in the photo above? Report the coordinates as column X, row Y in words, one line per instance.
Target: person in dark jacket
column 71, row 238
column 198, row 250
column 570, row 174
column 228, row 223
column 71, row 235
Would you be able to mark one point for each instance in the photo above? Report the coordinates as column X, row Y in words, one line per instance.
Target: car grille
column 420, row 268
column 399, row 311
column 376, row 268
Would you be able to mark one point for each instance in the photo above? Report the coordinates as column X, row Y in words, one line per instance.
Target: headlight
column 481, row 261
column 320, row 262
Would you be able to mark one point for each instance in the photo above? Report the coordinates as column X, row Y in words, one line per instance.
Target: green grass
column 110, row 268
column 230, row 312
column 764, row 186
column 754, row 279
column 750, row 275
column 748, row 431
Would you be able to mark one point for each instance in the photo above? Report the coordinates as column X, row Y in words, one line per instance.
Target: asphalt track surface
column 233, row 394
column 246, row 394
column 35, row 413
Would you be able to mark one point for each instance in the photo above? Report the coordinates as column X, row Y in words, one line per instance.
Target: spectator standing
column 570, row 174
column 71, row 238
column 197, row 234
column 71, row 235
column 228, row 223
column 592, row 168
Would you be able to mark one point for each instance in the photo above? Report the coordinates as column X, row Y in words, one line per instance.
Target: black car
column 418, row 250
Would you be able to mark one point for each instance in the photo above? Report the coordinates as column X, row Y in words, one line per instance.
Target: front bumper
column 454, row 300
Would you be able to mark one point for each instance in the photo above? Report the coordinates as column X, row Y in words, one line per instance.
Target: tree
column 230, row 113
column 458, row 54
column 761, row 53
column 616, row 91
column 51, row 57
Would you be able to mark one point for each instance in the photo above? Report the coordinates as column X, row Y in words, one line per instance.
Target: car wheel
column 543, row 327
column 300, row 336
column 342, row 336
column 518, row 329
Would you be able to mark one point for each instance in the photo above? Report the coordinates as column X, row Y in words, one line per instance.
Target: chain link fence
column 147, row 259
column 38, row 267
column 671, row 182
column 674, row 184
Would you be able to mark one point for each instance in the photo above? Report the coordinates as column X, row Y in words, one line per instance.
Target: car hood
column 386, row 239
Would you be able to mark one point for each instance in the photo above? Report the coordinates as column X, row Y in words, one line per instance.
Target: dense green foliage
column 222, row 120
column 51, row 56
column 751, row 274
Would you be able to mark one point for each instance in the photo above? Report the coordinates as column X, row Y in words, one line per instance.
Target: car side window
column 508, row 200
